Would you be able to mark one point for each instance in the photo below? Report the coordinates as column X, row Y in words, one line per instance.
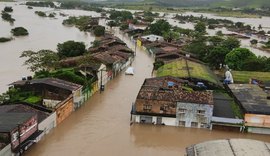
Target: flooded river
column 44, row 33
column 102, row 126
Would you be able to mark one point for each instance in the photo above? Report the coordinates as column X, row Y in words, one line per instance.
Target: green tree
column 215, row 40
column 70, row 49
column 95, row 44
column 216, row 56
column 99, row 31
column 171, row 35
column 112, row 24
column 238, row 57
column 43, row 60
column 124, row 26
column 8, row 9
column 231, row 43
column 254, row 42
column 7, row 17
column 19, row 31
column 200, row 27
column 160, row 27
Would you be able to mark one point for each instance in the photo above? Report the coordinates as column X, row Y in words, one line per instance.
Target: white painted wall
column 165, row 120
column 169, row 121
column 48, row 124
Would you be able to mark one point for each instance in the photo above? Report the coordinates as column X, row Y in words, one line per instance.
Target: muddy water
column 44, row 33
column 102, row 126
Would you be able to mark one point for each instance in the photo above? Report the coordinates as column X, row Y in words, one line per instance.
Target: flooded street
column 102, row 125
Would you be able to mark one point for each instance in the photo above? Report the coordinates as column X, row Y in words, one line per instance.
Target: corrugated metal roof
column 230, row 147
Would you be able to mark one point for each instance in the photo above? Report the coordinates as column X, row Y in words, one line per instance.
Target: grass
column 173, row 69
column 179, row 69
column 244, row 76
column 33, row 99
column 236, row 110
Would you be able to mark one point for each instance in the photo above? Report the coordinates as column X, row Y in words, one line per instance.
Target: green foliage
column 16, row 95
column 244, row 76
column 33, row 99
column 216, row 56
column 238, row 57
column 7, row 17
column 231, row 43
column 64, row 74
column 253, row 41
column 237, row 110
column 19, row 31
column 4, row 39
column 112, row 24
column 124, row 27
column 43, row 60
column 219, row 33
column 121, row 15
column 70, row 49
column 99, row 31
column 158, row 64
column 41, row 4
column 84, row 23
column 8, row 9
column 200, row 27
column 51, row 15
column 81, row 5
column 159, row 27
column 171, row 35
column 95, row 44
column 41, row 13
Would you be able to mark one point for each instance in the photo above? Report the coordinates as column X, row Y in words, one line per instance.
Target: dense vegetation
column 5, row 39
column 70, row 49
column 7, row 17
column 84, row 23
column 8, row 9
column 41, row 4
column 19, row 31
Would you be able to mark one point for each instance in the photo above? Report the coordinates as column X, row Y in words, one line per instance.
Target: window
column 147, row 107
column 194, row 124
column 203, row 125
column 201, row 112
column 164, row 107
column 182, row 110
column 182, row 123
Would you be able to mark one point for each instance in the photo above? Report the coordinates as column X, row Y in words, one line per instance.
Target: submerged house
column 255, row 105
column 58, row 95
column 18, row 130
column 170, row 101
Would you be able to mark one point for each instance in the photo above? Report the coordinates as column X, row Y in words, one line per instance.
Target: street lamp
column 101, row 77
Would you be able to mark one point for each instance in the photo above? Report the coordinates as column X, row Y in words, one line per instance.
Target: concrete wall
column 164, row 120
column 188, row 115
column 64, row 110
column 48, row 124
column 6, row 151
column 257, row 120
column 258, row 130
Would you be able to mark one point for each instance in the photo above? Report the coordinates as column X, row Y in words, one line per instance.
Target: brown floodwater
column 102, row 126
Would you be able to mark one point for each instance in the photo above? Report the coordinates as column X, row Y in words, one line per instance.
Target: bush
column 7, row 17
column 8, row 9
column 40, row 13
column 19, row 31
column 70, row 49
column 99, row 31
column 4, row 39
